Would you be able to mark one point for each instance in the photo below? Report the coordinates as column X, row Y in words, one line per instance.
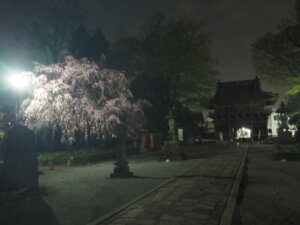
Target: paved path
column 272, row 195
column 79, row 195
column 199, row 196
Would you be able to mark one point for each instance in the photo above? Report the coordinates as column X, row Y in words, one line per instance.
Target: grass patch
column 79, row 157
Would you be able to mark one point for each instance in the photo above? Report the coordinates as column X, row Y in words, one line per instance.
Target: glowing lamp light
column 243, row 132
column 19, row 81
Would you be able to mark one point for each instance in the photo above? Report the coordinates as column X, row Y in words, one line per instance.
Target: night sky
column 234, row 23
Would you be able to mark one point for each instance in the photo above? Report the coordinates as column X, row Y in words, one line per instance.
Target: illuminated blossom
column 80, row 96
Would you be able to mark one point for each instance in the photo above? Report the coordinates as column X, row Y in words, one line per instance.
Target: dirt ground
column 272, row 195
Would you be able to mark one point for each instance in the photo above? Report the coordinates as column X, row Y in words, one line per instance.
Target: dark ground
column 78, row 195
column 272, row 196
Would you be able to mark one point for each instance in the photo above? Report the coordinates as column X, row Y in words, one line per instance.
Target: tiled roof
column 242, row 91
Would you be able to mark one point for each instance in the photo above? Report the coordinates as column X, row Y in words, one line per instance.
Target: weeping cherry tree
column 81, row 97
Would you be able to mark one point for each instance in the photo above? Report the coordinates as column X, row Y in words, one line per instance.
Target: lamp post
column 19, row 81
column 20, row 169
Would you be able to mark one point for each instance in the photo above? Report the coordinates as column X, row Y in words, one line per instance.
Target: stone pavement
column 199, row 196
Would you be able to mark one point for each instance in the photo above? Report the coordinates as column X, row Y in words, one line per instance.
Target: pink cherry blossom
column 79, row 95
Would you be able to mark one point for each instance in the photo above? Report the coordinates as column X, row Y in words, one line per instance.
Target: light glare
column 19, row 81
column 243, row 133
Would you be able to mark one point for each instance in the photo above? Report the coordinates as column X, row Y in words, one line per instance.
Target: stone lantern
column 172, row 149
column 119, row 141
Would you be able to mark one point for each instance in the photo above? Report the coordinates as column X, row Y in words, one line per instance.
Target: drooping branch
column 64, row 96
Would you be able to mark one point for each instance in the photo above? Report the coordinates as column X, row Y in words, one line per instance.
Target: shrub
column 78, row 157
column 288, row 151
column 2, row 134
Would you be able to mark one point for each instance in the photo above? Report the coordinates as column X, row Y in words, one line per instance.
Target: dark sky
column 234, row 23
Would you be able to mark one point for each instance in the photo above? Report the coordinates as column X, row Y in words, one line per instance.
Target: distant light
column 243, row 132
column 19, row 81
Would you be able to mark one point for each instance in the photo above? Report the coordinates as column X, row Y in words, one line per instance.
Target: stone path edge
column 228, row 212
column 116, row 211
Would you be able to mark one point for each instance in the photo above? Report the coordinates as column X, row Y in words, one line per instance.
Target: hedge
column 79, row 156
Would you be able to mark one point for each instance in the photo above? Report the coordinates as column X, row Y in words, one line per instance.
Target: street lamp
column 19, row 81
column 20, row 162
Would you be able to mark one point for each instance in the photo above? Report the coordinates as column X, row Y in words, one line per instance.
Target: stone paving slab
column 197, row 197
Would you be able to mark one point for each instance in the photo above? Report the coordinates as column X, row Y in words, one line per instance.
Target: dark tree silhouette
column 276, row 56
column 170, row 64
column 84, row 45
column 80, row 43
column 46, row 24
